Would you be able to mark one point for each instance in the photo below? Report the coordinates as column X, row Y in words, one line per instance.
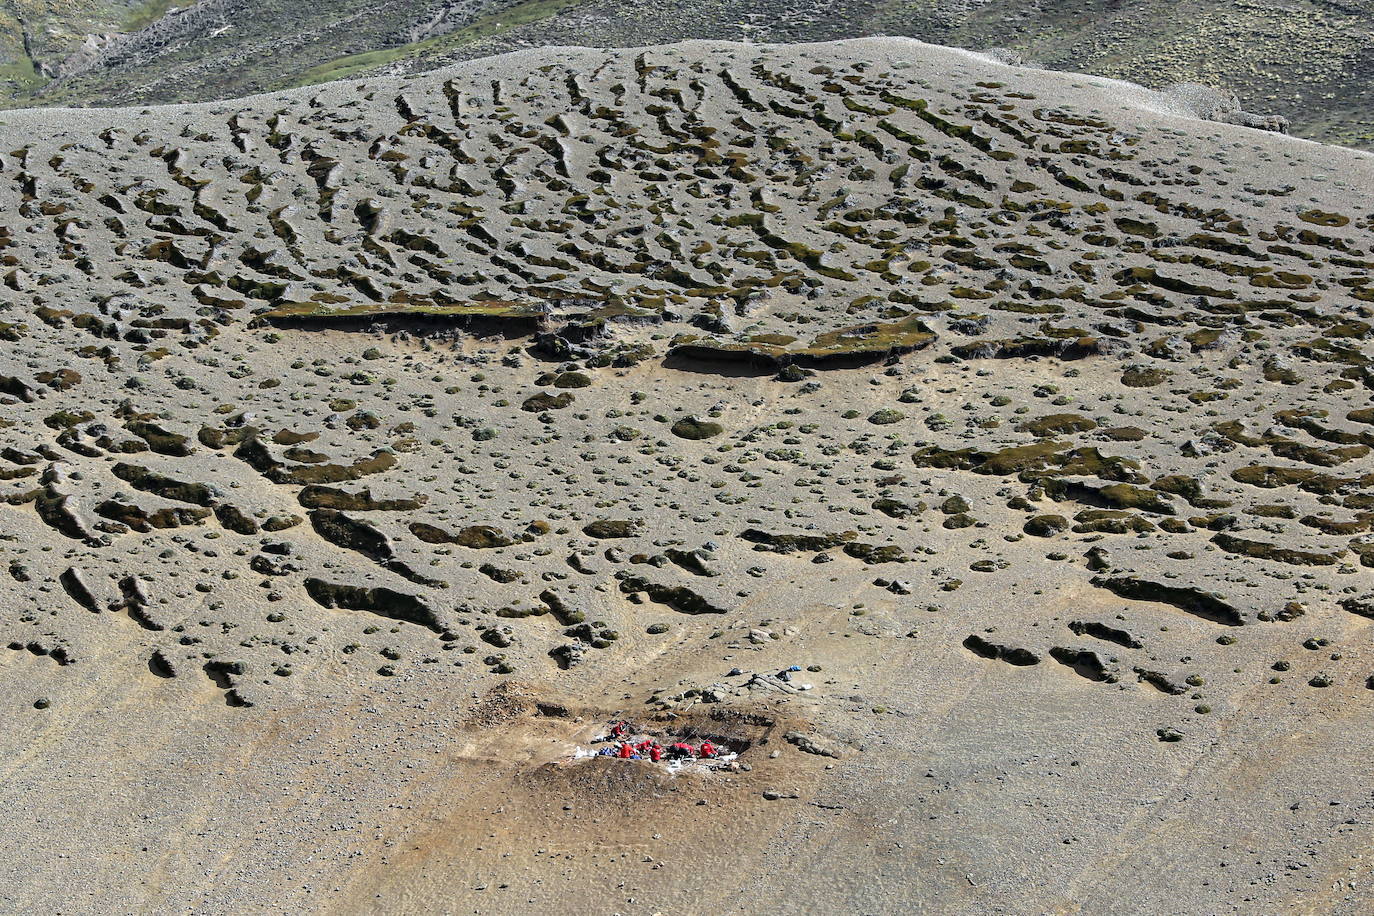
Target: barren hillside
column 1310, row 61
column 978, row 454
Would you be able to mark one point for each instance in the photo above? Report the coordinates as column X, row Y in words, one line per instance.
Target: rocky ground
column 1310, row 61
column 369, row 447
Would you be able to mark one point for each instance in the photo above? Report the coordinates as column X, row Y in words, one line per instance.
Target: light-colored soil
column 368, row 449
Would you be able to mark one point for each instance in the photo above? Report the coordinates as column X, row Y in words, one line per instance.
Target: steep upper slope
column 108, row 51
column 1311, row 61
column 367, row 446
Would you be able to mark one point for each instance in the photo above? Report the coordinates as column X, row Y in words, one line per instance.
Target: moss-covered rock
column 696, row 428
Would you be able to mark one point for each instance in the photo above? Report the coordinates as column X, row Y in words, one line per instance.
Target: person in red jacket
column 626, row 751
column 681, row 751
column 709, row 750
column 655, row 753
